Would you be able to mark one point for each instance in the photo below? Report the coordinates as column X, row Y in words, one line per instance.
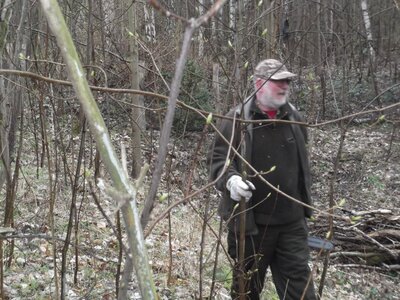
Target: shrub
column 194, row 92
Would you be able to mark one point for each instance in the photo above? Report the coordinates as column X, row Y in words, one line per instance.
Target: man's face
column 272, row 94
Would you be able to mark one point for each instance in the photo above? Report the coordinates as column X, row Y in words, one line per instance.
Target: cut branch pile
column 371, row 240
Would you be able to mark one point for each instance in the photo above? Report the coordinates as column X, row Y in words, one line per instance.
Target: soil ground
column 368, row 179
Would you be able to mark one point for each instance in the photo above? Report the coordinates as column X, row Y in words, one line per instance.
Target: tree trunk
column 368, row 30
column 270, row 28
column 232, row 14
column 10, row 110
column 216, row 89
column 372, row 57
column 6, row 12
column 13, row 101
column 150, row 23
column 201, row 35
column 125, row 191
column 137, row 112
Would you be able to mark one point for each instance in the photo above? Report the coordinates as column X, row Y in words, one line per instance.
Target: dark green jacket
column 218, row 156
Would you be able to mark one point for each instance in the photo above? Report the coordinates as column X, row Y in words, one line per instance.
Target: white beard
column 268, row 102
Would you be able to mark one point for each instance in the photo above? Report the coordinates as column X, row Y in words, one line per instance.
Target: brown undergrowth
column 368, row 180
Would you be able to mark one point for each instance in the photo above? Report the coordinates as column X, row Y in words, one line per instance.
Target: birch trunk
column 201, row 36
column 368, row 30
column 150, row 23
column 367, row 24
column 232, row 14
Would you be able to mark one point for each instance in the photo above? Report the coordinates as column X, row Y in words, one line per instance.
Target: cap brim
column 283, row 75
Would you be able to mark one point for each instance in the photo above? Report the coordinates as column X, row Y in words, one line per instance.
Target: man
column 276, row 232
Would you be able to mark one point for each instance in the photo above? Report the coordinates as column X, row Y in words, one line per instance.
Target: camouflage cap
column 272, row 69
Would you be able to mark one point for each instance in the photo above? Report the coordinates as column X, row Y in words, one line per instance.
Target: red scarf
column 271, row 113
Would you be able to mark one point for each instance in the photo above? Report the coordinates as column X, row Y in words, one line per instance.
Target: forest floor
column 368, row 180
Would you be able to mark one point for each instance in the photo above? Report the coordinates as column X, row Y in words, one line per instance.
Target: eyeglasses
column 278, row 81
column 288, row 81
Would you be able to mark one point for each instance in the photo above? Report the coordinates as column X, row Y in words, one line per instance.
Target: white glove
column 239, row 188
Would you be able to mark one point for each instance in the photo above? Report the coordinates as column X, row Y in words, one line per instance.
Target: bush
column 194, row 92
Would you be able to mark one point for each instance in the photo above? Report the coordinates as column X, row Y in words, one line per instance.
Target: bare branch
column 203, row 112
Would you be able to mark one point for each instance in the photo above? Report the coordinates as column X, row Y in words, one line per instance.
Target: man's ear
column 259, row 83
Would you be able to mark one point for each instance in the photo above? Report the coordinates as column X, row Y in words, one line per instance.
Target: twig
column 29, row 237
column 120, row 198
column 355, row 254
column 202, row 242
column 163, row 97
column 210, row 184
column 126, row 276
column 252, row 170
column 165, row 11
column 332, row 205
column 385, row 268
column 372, row 240
column 98, row 128
column 139, row 181
column 127, row 273
column 370, row 212
column 166, row 131
column 216, row 260
column 104, row 214
column 172, row 101
column 210, row 13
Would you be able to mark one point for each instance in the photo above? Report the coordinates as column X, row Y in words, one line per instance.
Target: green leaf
column 163, row 196
column 355, row 218
column 230, row 44
column 209, row 119
column 342, row 202
column 130, row 33
column 264, row 33
column 246, row 64
column 228, row 162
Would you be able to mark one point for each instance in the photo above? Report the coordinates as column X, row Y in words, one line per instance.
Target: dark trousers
column 284, row 249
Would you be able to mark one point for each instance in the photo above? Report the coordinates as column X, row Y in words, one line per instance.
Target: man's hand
column 239, row 188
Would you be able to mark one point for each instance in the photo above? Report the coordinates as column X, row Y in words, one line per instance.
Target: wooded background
column 346, row 55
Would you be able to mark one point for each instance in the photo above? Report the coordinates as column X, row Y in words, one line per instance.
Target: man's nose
column 284, row 84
